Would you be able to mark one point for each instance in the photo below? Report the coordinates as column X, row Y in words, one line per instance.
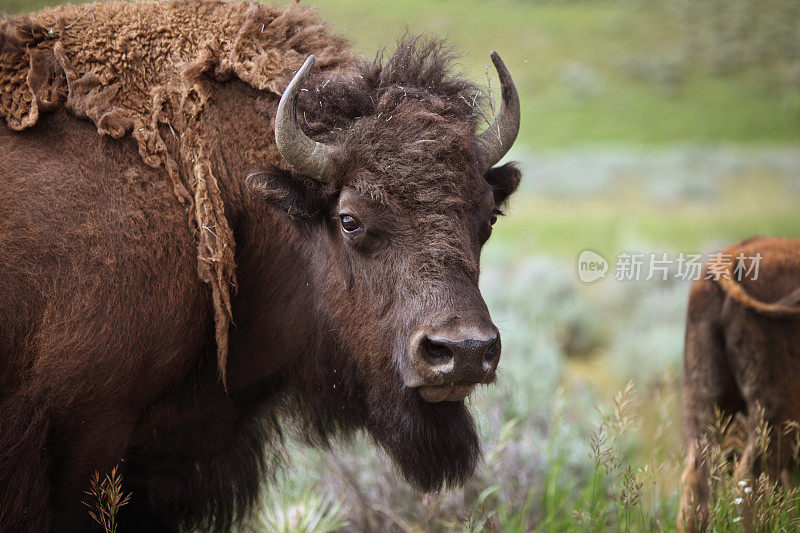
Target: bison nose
column 461, row 360
column 463, row 357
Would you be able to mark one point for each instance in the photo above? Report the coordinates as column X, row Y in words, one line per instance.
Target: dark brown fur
column 742, row 354
column 109, row 339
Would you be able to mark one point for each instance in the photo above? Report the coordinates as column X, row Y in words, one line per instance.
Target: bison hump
column 132, row 67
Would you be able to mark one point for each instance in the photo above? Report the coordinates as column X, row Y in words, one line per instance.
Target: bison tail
column 785, row 308
column 24, row 424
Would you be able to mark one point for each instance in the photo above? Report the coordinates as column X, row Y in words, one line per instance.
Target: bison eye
column 492, row 219
column 349, row 223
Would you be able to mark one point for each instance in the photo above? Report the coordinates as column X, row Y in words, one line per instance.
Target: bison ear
column 296, row 196
column 504, row 181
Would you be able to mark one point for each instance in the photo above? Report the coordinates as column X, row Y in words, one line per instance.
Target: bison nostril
column 436, row 354
column 491, row 351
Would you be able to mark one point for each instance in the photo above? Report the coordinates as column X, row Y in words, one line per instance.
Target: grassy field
column 637, row 135
column 612, row 223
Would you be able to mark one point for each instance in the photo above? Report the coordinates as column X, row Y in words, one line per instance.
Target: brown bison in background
column 213, row 265
column 742, row 356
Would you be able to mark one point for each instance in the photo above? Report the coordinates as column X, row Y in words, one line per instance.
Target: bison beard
column 434, row 445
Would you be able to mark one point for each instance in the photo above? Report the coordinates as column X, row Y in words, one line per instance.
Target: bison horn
column 304, row 154
column 498, row 138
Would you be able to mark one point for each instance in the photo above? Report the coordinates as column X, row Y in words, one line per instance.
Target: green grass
column 629, row 479
column 569, row 58
column 624, row 218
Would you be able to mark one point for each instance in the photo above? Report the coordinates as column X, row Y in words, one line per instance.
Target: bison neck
column 276, row 322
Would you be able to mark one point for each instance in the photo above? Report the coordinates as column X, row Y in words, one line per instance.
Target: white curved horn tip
column 305, row 70
column 499, row 65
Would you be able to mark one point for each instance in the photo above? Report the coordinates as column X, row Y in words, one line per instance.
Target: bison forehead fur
column 175, row 295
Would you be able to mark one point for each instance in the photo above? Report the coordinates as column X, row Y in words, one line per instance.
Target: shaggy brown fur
column 111, row 347
column 742, row 352
column 99, row 62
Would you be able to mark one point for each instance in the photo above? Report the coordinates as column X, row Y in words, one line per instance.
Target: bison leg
column 786, row 479
column 708, row 382
column 746, row 463
column 693, row 511
column 140, row 516
column 24, row 487
column 767, row 370
column 777, row 460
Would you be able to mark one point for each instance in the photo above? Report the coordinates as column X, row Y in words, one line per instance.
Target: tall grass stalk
column 107, row 499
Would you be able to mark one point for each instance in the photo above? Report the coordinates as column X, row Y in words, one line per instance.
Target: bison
column 742, row 356
column 205, row 239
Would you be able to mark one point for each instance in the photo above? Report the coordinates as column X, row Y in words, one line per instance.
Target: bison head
column 398, row 195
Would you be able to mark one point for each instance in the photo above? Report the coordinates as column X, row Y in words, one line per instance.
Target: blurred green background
column 661, row 126
column 653, row 106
